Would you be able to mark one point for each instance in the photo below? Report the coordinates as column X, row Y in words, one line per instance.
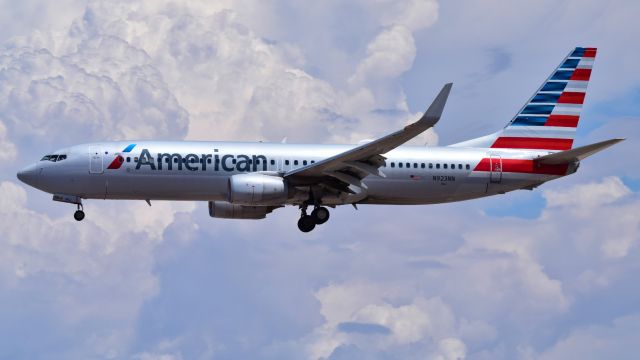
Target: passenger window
column 399, row 164
column 393, row 164
column 136, row 159
column 437, row 166
column 444, row 166
column 430, row 165
column 208, row 160
column 313, row 161
column 128, row 158
column 175, row 160
column 459, row 166
column 415, row 165
column 422, row 166
column 273, row 162
column 233, row 161
column 295, row 162
column 408, row 165
column 453, row 166
column 304, row 162
column 468, row 167
column 286, row 162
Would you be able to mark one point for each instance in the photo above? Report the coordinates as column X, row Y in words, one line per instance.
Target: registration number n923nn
column 441, row 178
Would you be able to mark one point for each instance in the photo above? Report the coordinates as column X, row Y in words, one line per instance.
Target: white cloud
column 414, row 14
column 588, row 196
column 617, row 340
column 78, row 274
column 8, row 149
column 444, row 281
column 105, row 90
column 451, row 349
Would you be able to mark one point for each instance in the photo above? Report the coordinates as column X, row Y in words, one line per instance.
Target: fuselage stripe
column 520, row 166
column 532, row 143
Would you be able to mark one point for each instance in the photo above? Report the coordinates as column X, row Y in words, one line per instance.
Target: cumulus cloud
column 414, row 14
column 65, row 278
column 617, row 340
column 608, row 191
column 7, row 148
column 105, row 90
column 441, row 282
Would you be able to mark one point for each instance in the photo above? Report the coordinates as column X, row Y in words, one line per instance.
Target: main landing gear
column 79, row 214
column 318, row 216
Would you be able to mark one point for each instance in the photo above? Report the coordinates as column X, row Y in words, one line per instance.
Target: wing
column 351, row 166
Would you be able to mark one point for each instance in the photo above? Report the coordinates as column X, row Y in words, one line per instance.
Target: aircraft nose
column 28, row 175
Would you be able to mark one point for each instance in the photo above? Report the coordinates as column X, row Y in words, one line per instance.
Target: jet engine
column 222, row 209
column 257, row 189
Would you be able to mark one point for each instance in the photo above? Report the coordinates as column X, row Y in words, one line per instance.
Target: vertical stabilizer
column 548, row 121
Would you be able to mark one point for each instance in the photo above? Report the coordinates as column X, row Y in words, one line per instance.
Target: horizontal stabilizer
column 577, row 154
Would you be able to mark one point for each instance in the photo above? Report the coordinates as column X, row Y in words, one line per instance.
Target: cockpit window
column 54, row 158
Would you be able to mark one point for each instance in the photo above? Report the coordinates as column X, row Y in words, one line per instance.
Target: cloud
column 414, row 14
column 618, row 340
column 104, row 90
column 444, row 281
column 588, row 196
column 60, row 279
column 7, row 148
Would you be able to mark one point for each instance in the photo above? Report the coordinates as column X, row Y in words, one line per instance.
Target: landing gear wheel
column 78, row 215
column 320, row 215
column 306, row 223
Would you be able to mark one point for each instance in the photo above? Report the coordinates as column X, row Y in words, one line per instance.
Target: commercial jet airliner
column 249, row 180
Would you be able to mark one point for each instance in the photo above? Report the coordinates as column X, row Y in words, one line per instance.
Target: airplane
column 245, row 180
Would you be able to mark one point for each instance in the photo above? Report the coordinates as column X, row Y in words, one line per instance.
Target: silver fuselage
column 188, row 170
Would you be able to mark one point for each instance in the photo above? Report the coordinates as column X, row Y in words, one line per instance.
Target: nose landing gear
column 71, row 199
column 318, row 216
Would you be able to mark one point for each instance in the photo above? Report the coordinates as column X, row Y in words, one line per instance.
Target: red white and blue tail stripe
column 548, row 121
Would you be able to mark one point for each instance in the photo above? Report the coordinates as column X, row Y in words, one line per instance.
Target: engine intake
column 224, row 210
column 257, row 189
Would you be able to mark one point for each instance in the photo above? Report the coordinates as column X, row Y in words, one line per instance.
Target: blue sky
column 547, row 274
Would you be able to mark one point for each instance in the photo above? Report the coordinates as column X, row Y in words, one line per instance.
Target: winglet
column 434, row 112
column 576, row 154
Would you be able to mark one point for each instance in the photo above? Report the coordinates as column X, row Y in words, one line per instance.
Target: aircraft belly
column 427, row 190
column 167, row 187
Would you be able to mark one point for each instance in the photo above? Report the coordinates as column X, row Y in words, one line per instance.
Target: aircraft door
column 495, row 171
column 95, row 160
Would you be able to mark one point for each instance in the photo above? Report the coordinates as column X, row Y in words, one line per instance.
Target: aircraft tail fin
column 577, row 154
column 549, row 119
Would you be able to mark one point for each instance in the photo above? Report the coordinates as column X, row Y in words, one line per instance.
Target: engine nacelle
column 222, row 209
column 257, row 189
